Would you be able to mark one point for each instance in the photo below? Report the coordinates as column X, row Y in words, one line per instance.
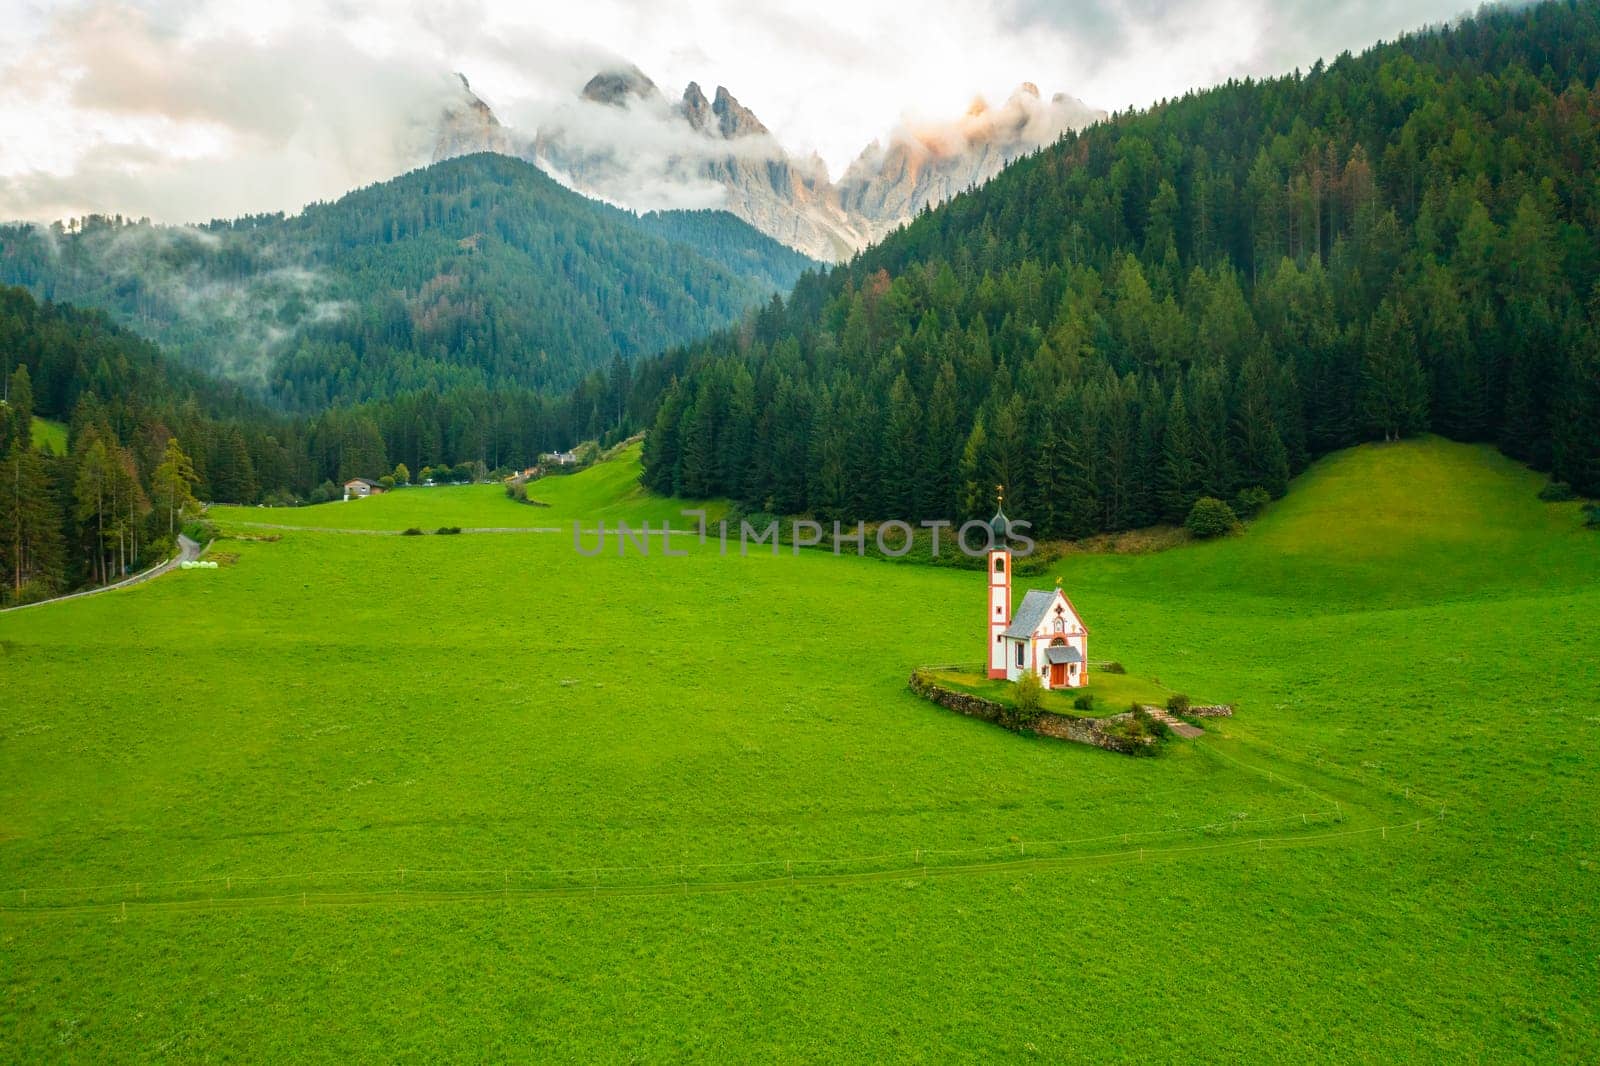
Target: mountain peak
column 694, row 106
column 733, row 118
column 616, row 87
column 467, row 125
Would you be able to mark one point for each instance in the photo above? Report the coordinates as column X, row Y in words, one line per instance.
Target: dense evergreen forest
column 475, row 273
column 147, row 440
column 1194, row 300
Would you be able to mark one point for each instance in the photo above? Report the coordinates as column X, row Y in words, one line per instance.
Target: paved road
column 188, row 551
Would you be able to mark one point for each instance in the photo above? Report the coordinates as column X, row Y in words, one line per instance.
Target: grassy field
column 607, row 492
column 50, row 436
column 358, row 797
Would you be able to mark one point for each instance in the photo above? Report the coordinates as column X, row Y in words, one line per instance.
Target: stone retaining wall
column 1058, row 726
column 1200, row 710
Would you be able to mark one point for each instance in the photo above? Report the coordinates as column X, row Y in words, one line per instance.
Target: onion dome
column 1000, row 525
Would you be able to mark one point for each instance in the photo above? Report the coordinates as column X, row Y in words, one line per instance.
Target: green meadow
column 50, row 436
column 375, row 798
column 607, row 492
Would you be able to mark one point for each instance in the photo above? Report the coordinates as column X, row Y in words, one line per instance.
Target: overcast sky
column 191, row 109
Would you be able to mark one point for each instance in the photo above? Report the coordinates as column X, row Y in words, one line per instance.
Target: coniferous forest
column 1196, row 300
column 148, row 439
column 476, row 273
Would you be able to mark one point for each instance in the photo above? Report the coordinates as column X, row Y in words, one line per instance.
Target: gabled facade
column 1045, row 636
column 357, row 487
column 1048, row 638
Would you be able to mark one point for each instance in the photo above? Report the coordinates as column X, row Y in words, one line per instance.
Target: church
column 1045, row 636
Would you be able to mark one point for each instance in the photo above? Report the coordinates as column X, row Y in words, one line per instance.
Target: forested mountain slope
column 1193, row 300
column 106, row 504
column 476, row 272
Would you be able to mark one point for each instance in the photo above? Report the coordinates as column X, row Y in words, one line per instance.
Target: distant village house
column 357, row 487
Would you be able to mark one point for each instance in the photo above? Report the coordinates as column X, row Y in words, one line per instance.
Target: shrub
column 1251, row 501
column 324, row 492
column 1178, row 703
column 387, row 481
column 412, row 532
column 1593, row 516
column 1210, row 517
column 1113, row 668
column 200, row 530
column 1084, row 702
column 1027, row 697
column 446, row 530
column 1557, row 492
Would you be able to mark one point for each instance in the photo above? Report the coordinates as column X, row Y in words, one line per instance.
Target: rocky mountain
column 469, row 125
column 621, row 140
column 924, row 167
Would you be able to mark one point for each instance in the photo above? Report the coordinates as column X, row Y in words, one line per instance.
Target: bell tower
column 999, row 585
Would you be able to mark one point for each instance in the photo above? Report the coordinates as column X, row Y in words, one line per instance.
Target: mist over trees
column 476, row 273
column 1193, row 301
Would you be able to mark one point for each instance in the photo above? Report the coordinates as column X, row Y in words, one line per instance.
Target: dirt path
column 188, row 551
column 1177, row 725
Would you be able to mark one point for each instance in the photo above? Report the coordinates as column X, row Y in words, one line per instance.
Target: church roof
column 1000, row 525
column 1062, row 654
column 1030, row 613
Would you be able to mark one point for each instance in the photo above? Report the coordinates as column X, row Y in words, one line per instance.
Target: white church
column 1045, row 636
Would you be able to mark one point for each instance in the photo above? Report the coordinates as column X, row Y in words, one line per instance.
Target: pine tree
column 172, row 484
column 30, row 525
column 92, row 495
column 1180, row 474
column 1394, row 396
column 1259, row 456
column 902, row 446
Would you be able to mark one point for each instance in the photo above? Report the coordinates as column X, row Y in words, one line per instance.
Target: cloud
column 188, row 109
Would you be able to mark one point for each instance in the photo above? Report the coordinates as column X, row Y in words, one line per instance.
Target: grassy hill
column 480, row 796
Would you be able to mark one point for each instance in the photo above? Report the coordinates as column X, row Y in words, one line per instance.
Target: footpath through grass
column 482, row 797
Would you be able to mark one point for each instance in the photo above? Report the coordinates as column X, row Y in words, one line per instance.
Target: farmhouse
column 360, row 486
column 559, row 458
column 1045, row 636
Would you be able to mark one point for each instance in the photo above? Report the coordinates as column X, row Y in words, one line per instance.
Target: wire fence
column 424, row 885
